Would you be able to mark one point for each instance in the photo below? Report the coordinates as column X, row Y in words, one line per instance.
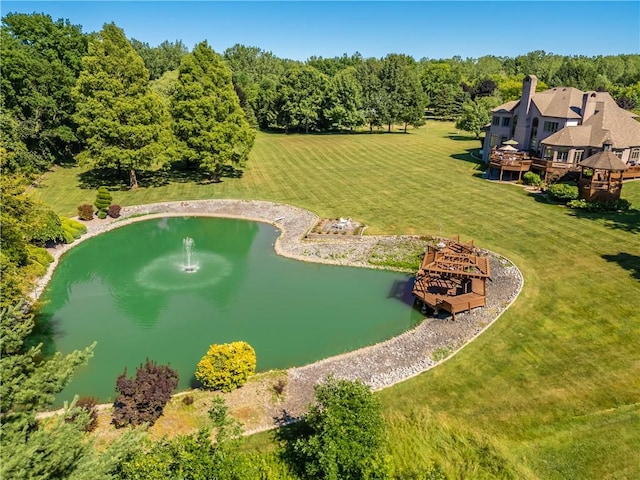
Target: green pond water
column 127, row 290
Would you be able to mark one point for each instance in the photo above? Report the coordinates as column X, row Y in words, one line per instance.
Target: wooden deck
column 452, row 278
column 509, row 162
column 632, row 172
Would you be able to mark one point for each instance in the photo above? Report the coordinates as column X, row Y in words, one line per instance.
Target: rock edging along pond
column 380, row 365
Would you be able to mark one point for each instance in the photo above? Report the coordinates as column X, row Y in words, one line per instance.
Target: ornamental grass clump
column 227, row 366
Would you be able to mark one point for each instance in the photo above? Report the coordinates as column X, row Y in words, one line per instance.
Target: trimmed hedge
column 73, row 229
column 226, row 367
column 74, row 224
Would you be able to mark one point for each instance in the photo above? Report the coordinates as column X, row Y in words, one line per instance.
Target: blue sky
column 429, row 29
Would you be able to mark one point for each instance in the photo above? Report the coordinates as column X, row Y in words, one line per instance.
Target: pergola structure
column 452, row 277
column 605, row 182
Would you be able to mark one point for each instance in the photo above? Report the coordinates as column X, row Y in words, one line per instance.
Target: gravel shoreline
column 379, row 366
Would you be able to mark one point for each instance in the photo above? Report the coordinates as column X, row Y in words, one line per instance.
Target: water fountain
column 188, row 244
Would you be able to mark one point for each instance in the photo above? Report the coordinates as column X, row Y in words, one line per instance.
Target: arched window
column 534, row 135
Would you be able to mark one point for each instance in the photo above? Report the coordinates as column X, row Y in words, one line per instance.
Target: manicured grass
column 554, row 385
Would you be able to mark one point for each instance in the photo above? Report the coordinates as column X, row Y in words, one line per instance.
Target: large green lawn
column 554, row 385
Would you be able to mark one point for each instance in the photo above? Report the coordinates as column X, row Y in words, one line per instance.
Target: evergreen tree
column 29, row 384
column 208, row 120
column 123, row 122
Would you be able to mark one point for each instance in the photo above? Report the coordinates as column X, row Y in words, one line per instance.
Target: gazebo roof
column 606, row 160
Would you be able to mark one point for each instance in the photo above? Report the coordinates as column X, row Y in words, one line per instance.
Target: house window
column 562, row 156
column 635, row 155
column 513, row 127
column 550, row 126
column 548, row 153
column 577, row 156
column 506, row 121
column 618, row 153
column 494, row 140
column 496, row 121
column 534, row 134
column 503, row 138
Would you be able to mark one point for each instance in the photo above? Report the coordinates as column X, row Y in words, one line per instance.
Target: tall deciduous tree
column 301, row 94
column 373, row 98
column 163, row 58
column 41, row 60
column 123, row 122
column 208, row 120
column 476, row 114
column 345, row 100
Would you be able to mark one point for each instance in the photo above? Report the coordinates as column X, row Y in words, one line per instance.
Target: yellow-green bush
column 76, row 225
column 72, row 229
column 227, row 366
column 40, row 258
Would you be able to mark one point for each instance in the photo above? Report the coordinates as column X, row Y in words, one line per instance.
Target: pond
column 167, row 288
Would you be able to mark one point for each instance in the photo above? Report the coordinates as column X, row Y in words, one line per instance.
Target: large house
column 558, row 128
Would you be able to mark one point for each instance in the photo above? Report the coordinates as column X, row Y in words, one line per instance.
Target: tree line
column 121, row 103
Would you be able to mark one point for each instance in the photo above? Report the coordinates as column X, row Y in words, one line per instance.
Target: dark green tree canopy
column 208, row 121
column 41, row 60
column 123, row 122
column 161, row 59
column 346, row 434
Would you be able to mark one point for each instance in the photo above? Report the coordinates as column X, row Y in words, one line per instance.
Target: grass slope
column 555, row 384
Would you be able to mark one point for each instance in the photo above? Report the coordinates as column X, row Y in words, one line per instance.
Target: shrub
column 45, row 227
column 39, row 255
column 103, row 199
column 596, row 206
column 227, row 366
column 187, row 400
column 68, row 237
column 563, row 192
column 74, row 224
column 143, row 398
column 279, row 386
column 530, row 178
column 75, row 234
column 114, row 211
column 89, row 405
column 102, row 214
column 85, row 212
column 345, row 434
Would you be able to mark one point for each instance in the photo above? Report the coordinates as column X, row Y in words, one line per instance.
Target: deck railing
column 548, row 163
